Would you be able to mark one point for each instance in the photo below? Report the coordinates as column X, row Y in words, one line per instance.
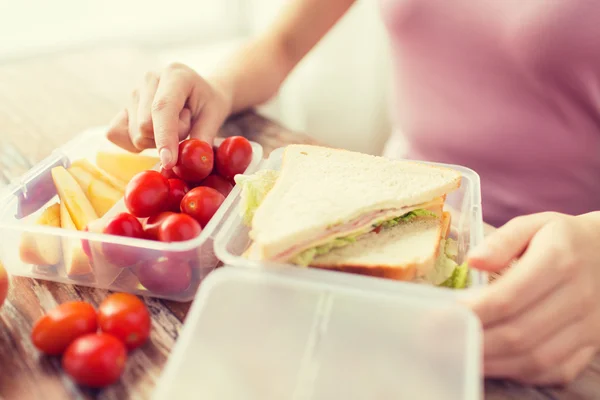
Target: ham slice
column 359, row 226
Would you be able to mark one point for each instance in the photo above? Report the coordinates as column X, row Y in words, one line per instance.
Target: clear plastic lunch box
column 23, row 201
column 463, row 204
column 267, row 335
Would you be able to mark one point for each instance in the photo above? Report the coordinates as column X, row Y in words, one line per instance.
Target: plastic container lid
column 266, row 335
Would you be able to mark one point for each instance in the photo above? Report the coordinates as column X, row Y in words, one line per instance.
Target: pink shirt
column 509, row 88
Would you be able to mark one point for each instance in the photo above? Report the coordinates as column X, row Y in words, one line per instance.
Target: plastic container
column 464, row 205
column 24, row 200
column 265, row 335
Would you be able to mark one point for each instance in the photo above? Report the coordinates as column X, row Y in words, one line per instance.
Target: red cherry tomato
column 177, row 189
column 178, row 228
column 86, row 245
column 147, row 194
column 218, row 183
column 168, row 173
column 125, row 317
column 53, row 332
column 233, row 157
column 95, row 360
column 126, row 225
column 153, row 223
column 4, row 283
column 202, row 203
column 165, row 276
column 195, row 161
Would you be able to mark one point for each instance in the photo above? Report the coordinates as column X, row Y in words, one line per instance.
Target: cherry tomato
column 202, row 203
column 195, row 161
column 53, row 332
column 178, row 228
column 4, row 282
column 125, row 317
column 95, row 360
column 177, row 189
column 147, row 194
column 85, row 244
column 168, row 173
column 126, row 225
column 218, row 183
column 165, row 275
column 233, row 157
column 153, row 223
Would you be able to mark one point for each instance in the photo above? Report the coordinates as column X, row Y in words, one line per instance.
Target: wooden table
column 43, row 103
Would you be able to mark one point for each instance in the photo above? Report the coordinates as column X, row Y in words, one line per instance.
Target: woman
column 506, row 87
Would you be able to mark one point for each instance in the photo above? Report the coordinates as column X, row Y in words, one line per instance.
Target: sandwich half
column 325, row 198
column 417, row 250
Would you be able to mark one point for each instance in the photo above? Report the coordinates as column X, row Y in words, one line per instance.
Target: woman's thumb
column 507, row 243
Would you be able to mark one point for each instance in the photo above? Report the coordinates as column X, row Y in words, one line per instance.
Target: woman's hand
column 167, row 108
column 541, row 318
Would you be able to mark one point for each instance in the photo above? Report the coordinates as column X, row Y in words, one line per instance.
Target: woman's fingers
column 118, row 132
column 508, row 242
column 529, row 280
column 207, row 124
column 185, row 123
column 144, row 111
column 171, row 96
column 536, row 324
column 567, row 371
column 140, row 142
column 547, row 354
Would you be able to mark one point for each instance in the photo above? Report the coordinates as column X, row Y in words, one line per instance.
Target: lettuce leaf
column 459, row 278
column 406, row 217
column 306, row 257
column 254, row 189
column 444, row 265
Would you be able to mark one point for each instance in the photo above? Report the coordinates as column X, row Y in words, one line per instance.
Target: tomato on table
column 4, row 282
column 126, row 225
column 95, row 360
column 54, row 331
column 218, row 183
column 195, row 161
column 233, row 157
column 177, row 189
column 126, row 317
column 202, row 203
column 147, row 194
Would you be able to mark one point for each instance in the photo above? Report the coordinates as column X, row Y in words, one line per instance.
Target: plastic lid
column 258, row 335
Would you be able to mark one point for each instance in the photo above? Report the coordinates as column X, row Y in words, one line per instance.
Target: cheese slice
column 125, row 166
column 100, row 174
column 42, row 249
column 73, row 198
column 102, row 195
column 75, row 260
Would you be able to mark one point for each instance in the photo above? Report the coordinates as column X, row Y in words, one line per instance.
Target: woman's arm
column 254, row 74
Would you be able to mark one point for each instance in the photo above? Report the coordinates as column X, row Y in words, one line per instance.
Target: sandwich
column 347, row 211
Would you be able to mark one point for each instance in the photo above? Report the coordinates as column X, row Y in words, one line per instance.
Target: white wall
column 32, row 26
column 340, row 92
